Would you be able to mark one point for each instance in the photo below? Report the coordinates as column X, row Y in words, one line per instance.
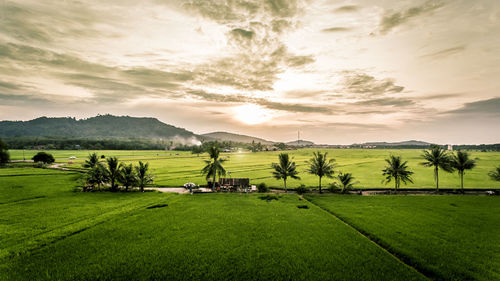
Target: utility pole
column 298, row 137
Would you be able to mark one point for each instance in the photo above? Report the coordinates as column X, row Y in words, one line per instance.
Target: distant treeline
column 91, row 144
column 62, row 143
column 481, row 147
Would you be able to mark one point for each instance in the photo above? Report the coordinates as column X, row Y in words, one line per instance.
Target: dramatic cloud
column 361, row 83
column 483, row 107
column 308, row 64
column 393, row 20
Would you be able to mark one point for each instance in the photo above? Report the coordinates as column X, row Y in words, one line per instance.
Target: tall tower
column 298, row 137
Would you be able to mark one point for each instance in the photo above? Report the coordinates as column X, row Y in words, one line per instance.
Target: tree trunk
column 213, row 182
column 437, row 178
column 462, row 181
column 142, row 187
column 285, row 186
column 395, row 183
column 320, row 185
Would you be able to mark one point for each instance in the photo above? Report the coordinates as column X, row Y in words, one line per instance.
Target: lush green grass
column 451, row 237
column 70, row 235
column 38, row 206
column 365, row 164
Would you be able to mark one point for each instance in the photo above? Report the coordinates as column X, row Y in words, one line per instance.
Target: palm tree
column 127, row 176
column 96, row 176
column 214, row 165
column 142, row 175
column 346, row 181
column 113, row 171
column 92, row 161
column 284, row 169
column 398, row 170
column 437, row 157
column 495, row 174
column 320, row 166
column 462, row 162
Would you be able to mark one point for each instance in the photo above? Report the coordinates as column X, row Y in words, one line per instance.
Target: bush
column 102, row 156
column 262, row 187
column 333, row 187
column 4, row 154
column 302, row 189
column 43, row 157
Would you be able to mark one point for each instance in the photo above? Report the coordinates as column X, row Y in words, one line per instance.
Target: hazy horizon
column 341, row 72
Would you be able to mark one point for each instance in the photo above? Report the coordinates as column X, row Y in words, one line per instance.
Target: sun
column 252, row 114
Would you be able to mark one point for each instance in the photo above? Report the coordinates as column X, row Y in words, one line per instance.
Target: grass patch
column 450, row 237
column 217, row 237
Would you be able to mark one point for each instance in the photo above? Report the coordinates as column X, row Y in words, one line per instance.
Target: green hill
column 99, row 127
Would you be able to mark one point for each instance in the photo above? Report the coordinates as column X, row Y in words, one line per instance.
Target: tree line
column 112, row 173
column 396, row 170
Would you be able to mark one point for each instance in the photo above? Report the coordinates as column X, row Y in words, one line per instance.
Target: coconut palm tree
column 495, row 174
column 398, row 170
column 346, row 181
column 462, row 162
column 96, row 176
column 437, row 157
column 142, row 175
column 92, row 161
column 213, row 166
column 127, row 176
column 112, row 171
column 321, row 166
column 284, row 169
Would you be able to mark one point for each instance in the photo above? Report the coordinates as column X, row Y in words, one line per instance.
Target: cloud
column 232, row 98
column 239, row 34
column 489, row 107
column 346, row 9
column 336, row 29
column 390, row 21
column 42, row 23
column 395, row 102
column 444, row 53
column 9, row 86
column 361, row 83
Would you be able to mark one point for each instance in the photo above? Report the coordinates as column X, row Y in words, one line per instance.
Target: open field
column 448, row 237
column 174, row 168
column 50, row 231
column 67, row 235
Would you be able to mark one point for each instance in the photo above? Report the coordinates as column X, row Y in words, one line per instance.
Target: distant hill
column 225, row 136
column 101, row 126
column 402, row 143
column 300, row 143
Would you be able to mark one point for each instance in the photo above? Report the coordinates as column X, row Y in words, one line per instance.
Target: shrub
column 334, row 187
column 302, row 189
column 43, row 157
column 262, row 187
column 102, row 156
column 4, row 154
column 269, row 197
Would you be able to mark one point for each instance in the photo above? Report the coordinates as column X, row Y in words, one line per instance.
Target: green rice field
column 49, row 230
column 173, row 168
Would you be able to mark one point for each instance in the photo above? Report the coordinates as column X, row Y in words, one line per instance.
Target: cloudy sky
column 338, row 71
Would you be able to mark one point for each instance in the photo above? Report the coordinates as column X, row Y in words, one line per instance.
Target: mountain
column 225, row 136
column 101, row 126
column 300, row 143
column 402, row 143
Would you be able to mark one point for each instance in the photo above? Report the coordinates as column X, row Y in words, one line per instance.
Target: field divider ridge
column 407, row 261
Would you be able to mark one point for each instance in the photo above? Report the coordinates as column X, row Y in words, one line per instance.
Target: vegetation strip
column 24, row 199
column 402, row 258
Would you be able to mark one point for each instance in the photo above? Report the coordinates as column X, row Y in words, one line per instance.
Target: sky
column 340, row 72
